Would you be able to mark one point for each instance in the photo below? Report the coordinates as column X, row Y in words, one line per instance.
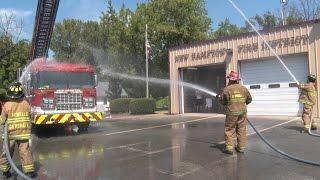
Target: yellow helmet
column 15, row 91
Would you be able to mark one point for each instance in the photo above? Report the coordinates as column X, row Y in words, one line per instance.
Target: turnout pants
column 307, row 116
column 236, row 126
column 25, row 156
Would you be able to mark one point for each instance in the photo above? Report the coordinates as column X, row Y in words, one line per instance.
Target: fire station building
column 273, row 90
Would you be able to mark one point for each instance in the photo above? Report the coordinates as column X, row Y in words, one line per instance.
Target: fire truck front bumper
column 66, row 118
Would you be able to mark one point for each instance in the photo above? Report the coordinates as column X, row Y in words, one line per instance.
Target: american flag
column 148, row 50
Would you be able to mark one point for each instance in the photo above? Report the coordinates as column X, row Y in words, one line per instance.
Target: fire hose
column 280, row 151
column 7, row 152
column 310, row 132
column 293, row 77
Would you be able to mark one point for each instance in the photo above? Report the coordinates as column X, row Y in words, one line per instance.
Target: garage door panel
column 266, row 73
column 274, row 110
column 281, row 96
column 270, row 110
column 271, row 101
column 275, row 100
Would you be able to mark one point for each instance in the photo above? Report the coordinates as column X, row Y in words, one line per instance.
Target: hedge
column 120, row 105
column 3, row 95
column 143, row 106
column 162, row 104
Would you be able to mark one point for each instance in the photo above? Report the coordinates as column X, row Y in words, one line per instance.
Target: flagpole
column 147, row 56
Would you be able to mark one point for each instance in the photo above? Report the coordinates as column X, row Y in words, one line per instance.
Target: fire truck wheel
column 83, row 127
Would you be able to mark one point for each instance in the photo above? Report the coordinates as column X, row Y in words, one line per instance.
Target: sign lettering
column 244, row 48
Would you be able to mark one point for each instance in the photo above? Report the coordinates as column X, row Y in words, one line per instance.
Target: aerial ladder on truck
column 43, row 28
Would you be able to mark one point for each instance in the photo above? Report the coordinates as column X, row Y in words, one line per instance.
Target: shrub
column 3, row 95
column 143, row 106
column 120, row 105
column 163, row 103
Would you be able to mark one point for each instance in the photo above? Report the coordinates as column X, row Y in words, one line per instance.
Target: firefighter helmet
column 233, row 76
column 15, row 91
column 312, row 78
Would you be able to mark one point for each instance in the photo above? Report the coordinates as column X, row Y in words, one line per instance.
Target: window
column 293, row 85
column 255, row 87
column 274, row 85
column 65, row 80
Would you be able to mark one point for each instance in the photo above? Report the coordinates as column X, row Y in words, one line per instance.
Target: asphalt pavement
column 174, row 147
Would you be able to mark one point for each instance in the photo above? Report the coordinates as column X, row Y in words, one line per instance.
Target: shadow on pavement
column 220, row 147
column 295, row 128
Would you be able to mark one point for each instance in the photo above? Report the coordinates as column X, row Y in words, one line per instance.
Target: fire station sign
column 245, row 48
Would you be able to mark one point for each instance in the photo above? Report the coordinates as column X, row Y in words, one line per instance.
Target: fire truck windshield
column 59, row 80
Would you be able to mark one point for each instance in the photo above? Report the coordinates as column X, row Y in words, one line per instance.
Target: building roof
column 210, row 41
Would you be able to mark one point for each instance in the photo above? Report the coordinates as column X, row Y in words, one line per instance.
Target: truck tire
column 83, row 127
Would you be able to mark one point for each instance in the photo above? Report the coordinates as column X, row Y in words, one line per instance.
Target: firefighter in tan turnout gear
column 235, row 98
column 308, row 98
column 16, row 112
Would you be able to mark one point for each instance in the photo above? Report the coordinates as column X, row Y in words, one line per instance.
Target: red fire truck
column 62, row 94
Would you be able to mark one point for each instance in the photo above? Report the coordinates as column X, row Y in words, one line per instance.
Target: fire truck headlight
column 47, row 103
column 88, row 102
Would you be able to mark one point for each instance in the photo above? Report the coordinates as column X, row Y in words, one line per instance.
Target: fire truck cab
column 62, row 94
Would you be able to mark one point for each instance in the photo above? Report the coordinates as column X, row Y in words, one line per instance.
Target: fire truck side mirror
column 96, row 80
column 29, row 77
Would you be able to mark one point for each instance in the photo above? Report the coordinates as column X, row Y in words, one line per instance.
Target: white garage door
column 272, row 89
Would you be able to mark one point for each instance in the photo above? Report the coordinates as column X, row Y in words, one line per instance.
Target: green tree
column 226, row 28
column 308, row 9
column 14, row 51
column 65, row 38
column 120, row 36
column 302, row 10
column 115, row 37
column 293, row 15
column 13, row 56
column 70, row 38
column 170, row 23
column 266, row 21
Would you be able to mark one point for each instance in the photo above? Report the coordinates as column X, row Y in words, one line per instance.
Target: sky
column 218, row 10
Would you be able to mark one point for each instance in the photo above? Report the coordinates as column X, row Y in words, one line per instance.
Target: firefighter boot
column 31, row 174
column 306, row 128
column 240, row 149
column 6, row 175
column 228, row 150
column 314, row 126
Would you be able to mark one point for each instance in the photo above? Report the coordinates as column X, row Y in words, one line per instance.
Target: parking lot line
column 160, row 126
column 268, row 128
column 274, row 126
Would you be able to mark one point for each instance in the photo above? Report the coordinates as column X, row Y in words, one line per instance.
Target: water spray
column 273, row 51
column 158, row 81
column 293, row 77
column 166, row 81
column 265, row 41
column 7, row 152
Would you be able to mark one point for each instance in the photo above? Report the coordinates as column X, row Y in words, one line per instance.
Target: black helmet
column 312, row 78
column 15, row 91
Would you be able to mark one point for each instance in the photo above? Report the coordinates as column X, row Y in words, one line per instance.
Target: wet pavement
column 175, row 147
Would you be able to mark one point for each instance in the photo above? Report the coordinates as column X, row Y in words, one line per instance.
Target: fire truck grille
column 68, row 101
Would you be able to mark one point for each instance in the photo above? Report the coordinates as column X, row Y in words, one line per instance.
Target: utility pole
column 283, row 11
column 18, row 74
column 147, row 46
